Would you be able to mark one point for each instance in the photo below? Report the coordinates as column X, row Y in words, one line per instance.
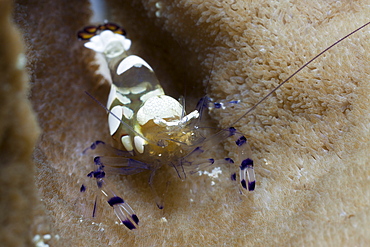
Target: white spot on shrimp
column 112, row 95
column 127, row 143
column 103, row 68
column 130, row 62
column 127, row 112
column 157, row 92
column 139, row 144
column 139, row 88
column 123, row 99
column 162, row 106
column 110, row 43
column 113, row 122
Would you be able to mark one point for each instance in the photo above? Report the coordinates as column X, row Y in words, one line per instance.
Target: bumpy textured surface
column 310, row 140
column 18, row 134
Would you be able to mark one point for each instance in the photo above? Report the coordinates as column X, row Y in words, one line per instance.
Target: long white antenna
column 297, row 71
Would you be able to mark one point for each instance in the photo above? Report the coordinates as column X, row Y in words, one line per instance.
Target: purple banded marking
column 115, row 200
column 98, row 174
column 93, row 146
column 232, row 131
column 217, row 105
column 128, row 224
column 229, row 160
column 94, row 210
column 198, row 149
column 97, row 161
column 233, row 177
column 246, row 164
column 244, row 184
column 203, row 102
column 241, row 141
column 251, row 185
column 83, row 188
column 135, row 219
column 96, row 143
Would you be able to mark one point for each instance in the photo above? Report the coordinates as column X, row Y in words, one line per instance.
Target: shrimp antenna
column 203, row 103
column 297, row 71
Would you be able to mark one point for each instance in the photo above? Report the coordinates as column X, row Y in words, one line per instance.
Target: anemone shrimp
column 153, row 128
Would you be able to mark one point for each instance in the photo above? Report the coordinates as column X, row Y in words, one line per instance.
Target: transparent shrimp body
column 147, row 122
column 152, row 127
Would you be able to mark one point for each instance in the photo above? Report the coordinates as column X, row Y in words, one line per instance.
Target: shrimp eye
column 109, row 26
column 91, row 29
column 87, row 33
column 84, row 35
column 120, row 31
column 113, row 27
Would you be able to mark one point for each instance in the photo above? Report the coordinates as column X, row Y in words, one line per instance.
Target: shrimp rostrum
column 152, row 127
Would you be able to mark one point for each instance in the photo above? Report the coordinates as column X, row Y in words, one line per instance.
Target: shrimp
column 152, row 128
